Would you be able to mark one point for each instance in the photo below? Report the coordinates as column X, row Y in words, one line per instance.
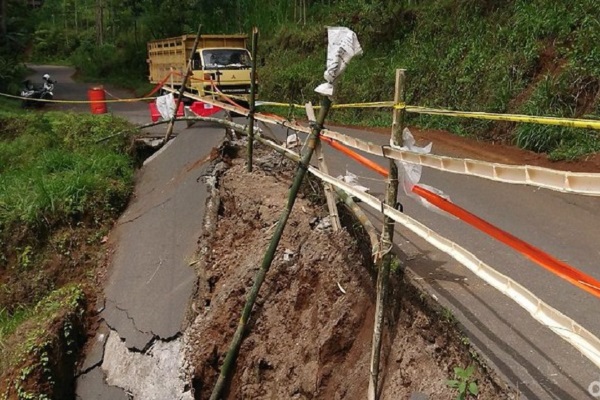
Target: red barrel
column 97, row 96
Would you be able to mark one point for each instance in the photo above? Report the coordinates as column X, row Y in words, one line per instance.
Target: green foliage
column 13, row 43
column 61, row 183
column 463, row 383
column 11, row 71
column 9, row 321
column 53, row 171
column 531, row 57
column 561, row 96
column 48, row 328
column 53, row 44
column 116, row 64
column 519, row 56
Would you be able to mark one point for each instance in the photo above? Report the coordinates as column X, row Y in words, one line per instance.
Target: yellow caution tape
column 79, row 101
column 570, row 122
column 377, row 104
column 557, row 121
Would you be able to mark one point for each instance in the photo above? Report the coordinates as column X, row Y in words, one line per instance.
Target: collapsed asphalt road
column 537, row 362
column 150, row 280
column 136, row 349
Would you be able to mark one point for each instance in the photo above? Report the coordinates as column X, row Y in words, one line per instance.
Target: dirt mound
column 310, row 333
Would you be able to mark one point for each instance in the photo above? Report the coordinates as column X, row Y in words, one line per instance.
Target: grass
column 9, row 322
column 526, row 57
column 61, row 188
column 51, row 333
column 9, row 105
column 53, row 171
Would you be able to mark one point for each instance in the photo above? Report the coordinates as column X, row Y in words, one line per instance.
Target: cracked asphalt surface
column 146, row 293
column 150, row 281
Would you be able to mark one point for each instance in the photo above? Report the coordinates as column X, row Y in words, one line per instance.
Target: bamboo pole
column 252, row 98
column 328, row 188
column 235, row 126
column 386, row 241
column 236, row 342
column 182, row 88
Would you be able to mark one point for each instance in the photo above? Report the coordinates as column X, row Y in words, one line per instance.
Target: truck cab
column 221, row 65
column 226, row 69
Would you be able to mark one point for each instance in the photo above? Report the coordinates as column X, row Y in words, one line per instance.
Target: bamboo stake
column 328, row 188
column 331, row 205
column 182, row 88
column 252, row 98
column 236, row 342
column 386, row 241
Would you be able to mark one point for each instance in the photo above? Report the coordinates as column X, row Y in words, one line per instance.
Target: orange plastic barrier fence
column 536, row 255
column 158, row 86
column 557, row 267
column 360, row 158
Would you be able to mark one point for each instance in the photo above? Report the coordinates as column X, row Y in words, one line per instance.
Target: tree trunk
column 3, row 19
column 99, row 22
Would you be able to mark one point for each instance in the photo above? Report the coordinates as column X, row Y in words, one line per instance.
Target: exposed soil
column 310, row 333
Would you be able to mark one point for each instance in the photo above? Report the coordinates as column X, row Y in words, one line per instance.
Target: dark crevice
column 132, row 349
column 144, row 212
column 129, row 318
column 90, row 368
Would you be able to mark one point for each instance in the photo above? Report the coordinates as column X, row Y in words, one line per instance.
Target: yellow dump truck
column 220, row 60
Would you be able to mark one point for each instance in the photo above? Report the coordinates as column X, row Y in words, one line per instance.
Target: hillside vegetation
column 530, row 57
column 61, row 187
column 509, row 56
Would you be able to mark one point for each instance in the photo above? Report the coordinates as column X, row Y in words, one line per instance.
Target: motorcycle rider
column 48, row 83
column 31, row 92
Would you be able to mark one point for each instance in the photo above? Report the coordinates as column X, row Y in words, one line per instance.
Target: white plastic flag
column 342, row 46
column 166, row 106
column 411, row 173
column 292, row 141
column 352, row 180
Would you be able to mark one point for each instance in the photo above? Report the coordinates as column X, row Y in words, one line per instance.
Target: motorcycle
column 35, row 96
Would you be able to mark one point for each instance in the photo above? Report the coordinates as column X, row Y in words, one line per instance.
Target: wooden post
column 182, row 88
column 386, row 240
column 236, row 342
column 331, row 206
column 252, row 98
column 399, row 114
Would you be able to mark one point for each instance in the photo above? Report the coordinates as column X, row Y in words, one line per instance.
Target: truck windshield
column 226, row 58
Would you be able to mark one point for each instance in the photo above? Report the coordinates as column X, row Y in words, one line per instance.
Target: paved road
column 536, row 361
column 530, row 356
column 150, row 281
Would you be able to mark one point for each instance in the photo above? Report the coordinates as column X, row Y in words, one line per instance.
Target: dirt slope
column 308, row 338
